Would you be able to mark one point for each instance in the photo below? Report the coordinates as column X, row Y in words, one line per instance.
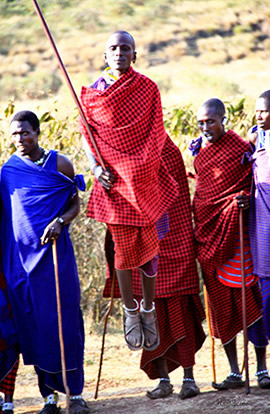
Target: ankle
column 146, row 310
column 262, row 372
column 51, row 398
column 235, row 375
column 7, row 406
column 164, row 379
column 131, row 311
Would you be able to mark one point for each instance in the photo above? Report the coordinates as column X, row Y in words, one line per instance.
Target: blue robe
column 32, row 197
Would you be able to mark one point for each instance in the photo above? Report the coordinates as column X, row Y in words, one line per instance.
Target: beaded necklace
column 42, row 158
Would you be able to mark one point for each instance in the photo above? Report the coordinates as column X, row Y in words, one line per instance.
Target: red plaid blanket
column 177, row 272
column 220, row 178
column 127, row 124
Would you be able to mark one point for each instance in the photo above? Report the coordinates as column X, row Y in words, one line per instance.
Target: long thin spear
column 210, row 334
column 66, row 76
column 60, row 327
column 244, row 310
column 104, row 333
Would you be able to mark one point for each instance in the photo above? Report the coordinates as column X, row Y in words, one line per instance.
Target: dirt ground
column 123, row 385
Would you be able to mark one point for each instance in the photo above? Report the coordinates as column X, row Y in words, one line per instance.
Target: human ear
column 134, row 57
column 224, row 120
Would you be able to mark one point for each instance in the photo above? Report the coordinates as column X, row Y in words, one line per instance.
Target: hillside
column 221, row 48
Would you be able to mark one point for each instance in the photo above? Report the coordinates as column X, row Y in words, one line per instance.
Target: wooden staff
column 104, row 333
column 244, row 310
column 60, row 327
column 210, row 334
column 69, row 84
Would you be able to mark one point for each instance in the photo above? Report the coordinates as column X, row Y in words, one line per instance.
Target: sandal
column 189, row 389
column 163, row 390
column 232, row 381
column 150, row 327
column 78, row 406
column 50, row 409
column 132, row 325
column 263, row 379
column 7, row 408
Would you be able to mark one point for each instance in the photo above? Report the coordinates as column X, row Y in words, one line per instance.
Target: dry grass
column 123, row 385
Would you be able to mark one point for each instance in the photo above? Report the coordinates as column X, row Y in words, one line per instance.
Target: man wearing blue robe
column 40, row 199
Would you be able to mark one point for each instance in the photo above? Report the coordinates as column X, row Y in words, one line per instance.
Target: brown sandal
column 132, row 324
column 163, row 390
column 150, row 327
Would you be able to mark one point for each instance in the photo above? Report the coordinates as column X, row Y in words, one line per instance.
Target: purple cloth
column 100, row 84
column 259, row 332
column 259, row 217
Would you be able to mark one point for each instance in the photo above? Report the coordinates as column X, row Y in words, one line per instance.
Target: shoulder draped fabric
column 259, row 222
column 220, row 177
column 32, row 197
column 127, row 123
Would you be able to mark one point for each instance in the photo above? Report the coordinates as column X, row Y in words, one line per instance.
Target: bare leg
column 124, row 278
column 231, row 353
column 148, row 313
column 9, row 398
column 188, row 373
column 7, row 406
column 189, row 387
column 148, row 289
column 164, row 387
column 234, row 380
column 262, row 372
column 162, row 367
column 261, row 358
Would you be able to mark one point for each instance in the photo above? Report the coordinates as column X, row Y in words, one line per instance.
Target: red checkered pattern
column 220, row 178
column 7, row 386
column 133, row 246
column 177, row 266
column 181, row 333
column 127, row 123
column 225, row 306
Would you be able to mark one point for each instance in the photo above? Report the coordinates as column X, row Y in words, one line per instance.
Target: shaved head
column 120, row 52
column 266, row 96
column 124, row 33
column 215, row 106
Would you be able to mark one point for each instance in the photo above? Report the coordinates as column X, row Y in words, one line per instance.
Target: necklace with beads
column 42, row 158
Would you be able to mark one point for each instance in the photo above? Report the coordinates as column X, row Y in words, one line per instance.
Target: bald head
column 211, row 116
column 120, row 52
column 122, row 33
column 215, row 106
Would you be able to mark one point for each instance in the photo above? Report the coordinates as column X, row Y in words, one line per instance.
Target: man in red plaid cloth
column 221, row 176
column 178, row 305
column 132, row 196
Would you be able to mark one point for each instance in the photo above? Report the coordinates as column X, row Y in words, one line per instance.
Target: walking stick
column 104, row 333
column 69, row 84
column 210, row 334
column 60, row 327
column 244, row 311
